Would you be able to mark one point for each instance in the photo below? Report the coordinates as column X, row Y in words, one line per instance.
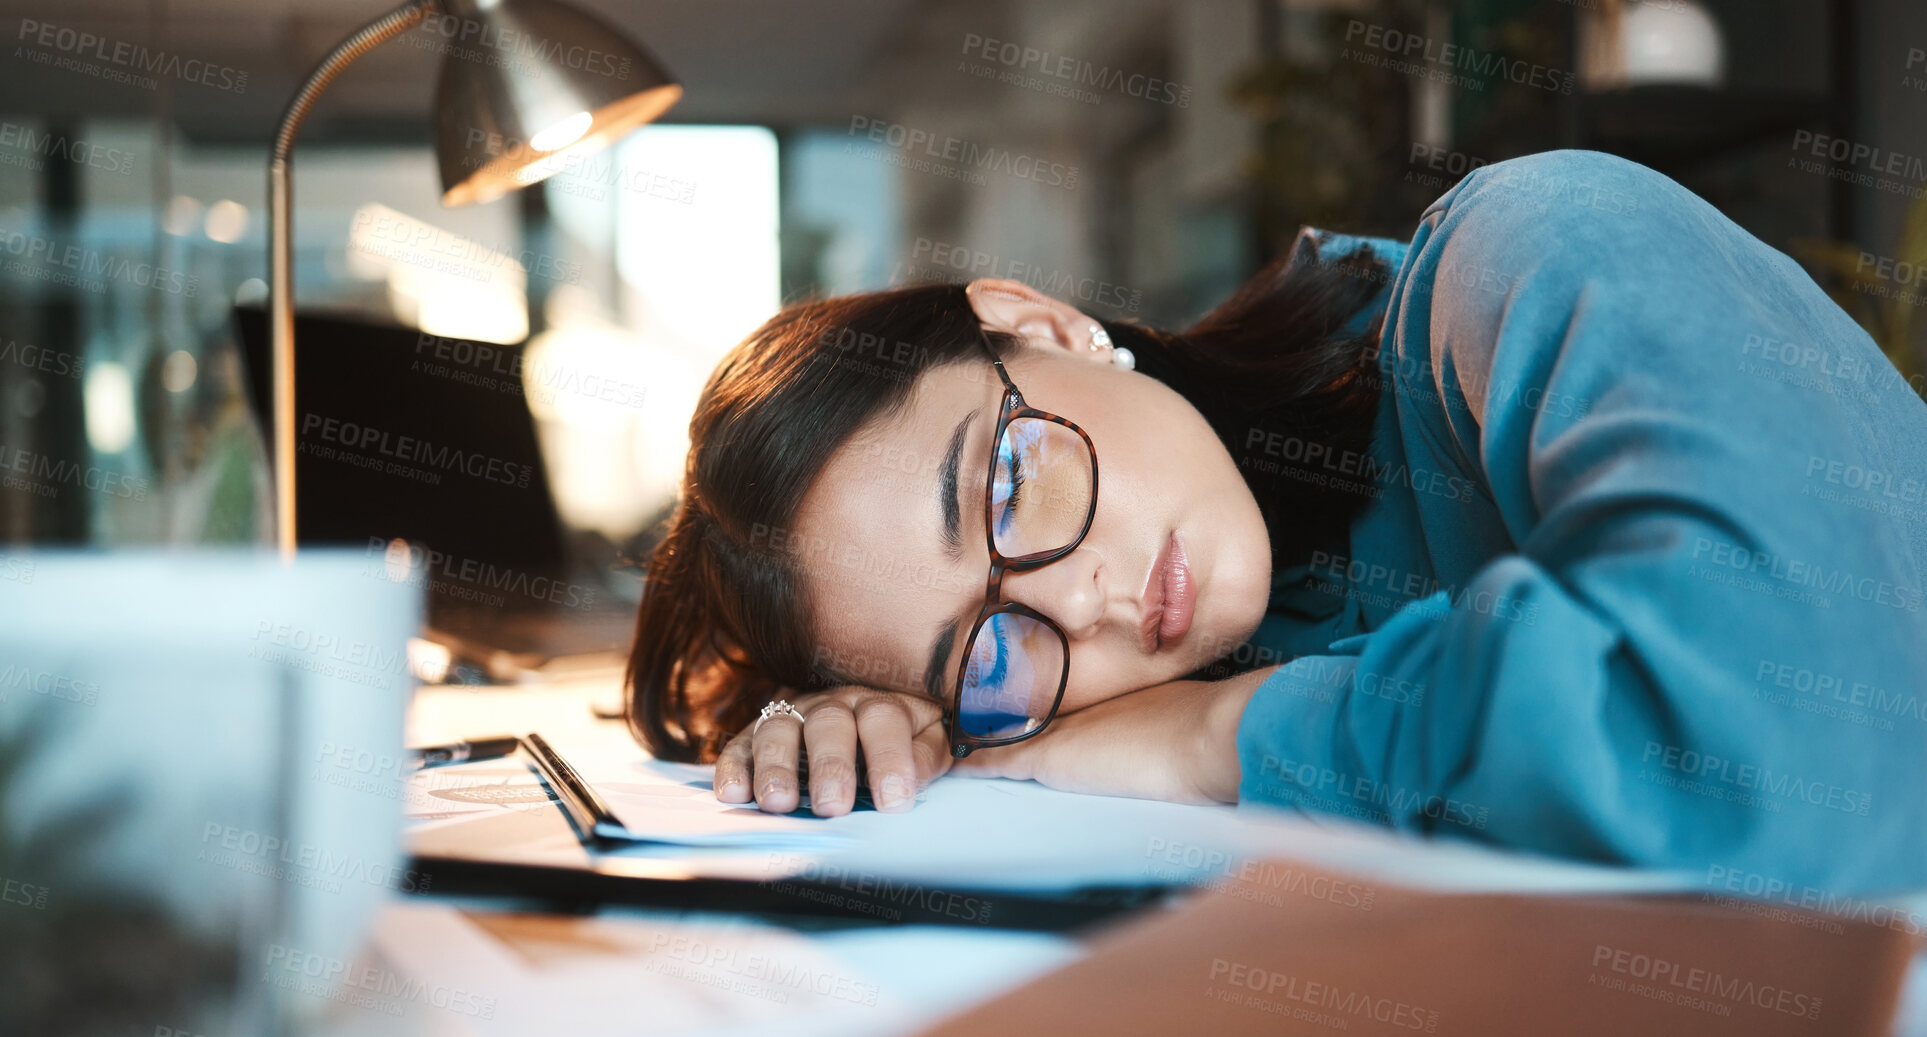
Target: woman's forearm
column 1175, row 741
column 1215, row 771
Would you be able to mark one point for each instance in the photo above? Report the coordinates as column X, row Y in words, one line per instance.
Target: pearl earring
column 1123, row 359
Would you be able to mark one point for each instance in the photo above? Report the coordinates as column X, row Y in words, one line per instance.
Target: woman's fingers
column 732, row 770
column 900, row 737
column 931, row 750
column 773, row 763
column 890, row 747
column 829, row 737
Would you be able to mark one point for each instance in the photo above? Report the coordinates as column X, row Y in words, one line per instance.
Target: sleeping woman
column 1582, row 523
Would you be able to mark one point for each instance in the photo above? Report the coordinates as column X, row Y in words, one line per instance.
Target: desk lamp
column 527, row 89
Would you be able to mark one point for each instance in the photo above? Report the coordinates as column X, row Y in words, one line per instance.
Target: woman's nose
column 1069, row 590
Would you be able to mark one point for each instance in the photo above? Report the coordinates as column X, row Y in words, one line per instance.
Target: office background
column 1137, row 157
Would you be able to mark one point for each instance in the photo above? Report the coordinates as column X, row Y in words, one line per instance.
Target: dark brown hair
column 725, row 625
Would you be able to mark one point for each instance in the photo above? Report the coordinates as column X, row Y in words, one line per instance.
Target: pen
column 585, row 810
column 464, row 751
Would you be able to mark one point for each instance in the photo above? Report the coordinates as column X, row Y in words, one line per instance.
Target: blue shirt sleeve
column 1706, row 647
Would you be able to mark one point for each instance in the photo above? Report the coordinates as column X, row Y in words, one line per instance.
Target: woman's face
column 870, row 533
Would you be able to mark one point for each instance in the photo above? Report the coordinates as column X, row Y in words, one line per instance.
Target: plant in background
column 1881, row 292
column 77, row 957
column 1339, row 141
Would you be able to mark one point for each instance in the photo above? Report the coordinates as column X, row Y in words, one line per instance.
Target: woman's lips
column 1180, row 594
column 1170, row 597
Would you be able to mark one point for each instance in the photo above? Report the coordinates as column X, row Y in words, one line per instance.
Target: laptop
column 403, row 435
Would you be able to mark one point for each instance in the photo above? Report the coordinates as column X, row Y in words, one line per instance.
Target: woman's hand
column 1175, row 741
column 901, row 736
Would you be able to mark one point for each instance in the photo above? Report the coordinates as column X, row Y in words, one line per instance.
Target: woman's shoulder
column 1574, row 208
column 1571, row 180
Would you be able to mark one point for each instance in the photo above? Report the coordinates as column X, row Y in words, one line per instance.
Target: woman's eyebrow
column 952, row 509
column 947, row 503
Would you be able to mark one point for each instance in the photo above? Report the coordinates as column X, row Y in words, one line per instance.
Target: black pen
column 465, row 751
column 585, row 810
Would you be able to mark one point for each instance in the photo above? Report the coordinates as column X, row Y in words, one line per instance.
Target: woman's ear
column 1015, row 307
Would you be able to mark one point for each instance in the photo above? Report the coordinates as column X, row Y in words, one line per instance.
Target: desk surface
column 436, row 966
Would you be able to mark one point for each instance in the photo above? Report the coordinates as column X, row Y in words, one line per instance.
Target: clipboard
column 580, row 857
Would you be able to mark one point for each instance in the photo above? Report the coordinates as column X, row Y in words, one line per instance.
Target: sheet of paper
column 658, row 803
column 676, row 803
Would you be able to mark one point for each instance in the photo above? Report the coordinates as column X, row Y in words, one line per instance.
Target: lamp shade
column 530, row 87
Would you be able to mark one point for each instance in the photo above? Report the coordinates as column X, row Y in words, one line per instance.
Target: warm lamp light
column 557, row 84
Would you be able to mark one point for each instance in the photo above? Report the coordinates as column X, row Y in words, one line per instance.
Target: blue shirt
column 1641, row 577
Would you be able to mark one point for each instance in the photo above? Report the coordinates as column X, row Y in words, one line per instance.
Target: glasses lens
column 1041, row 490
column 1010, row 682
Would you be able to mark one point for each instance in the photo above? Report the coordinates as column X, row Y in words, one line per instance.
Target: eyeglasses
column 1039, row 499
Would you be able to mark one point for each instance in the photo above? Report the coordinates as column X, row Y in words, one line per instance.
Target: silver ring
column 779, row 708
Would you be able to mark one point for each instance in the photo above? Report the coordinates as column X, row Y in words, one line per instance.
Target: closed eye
column 1015, row 495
